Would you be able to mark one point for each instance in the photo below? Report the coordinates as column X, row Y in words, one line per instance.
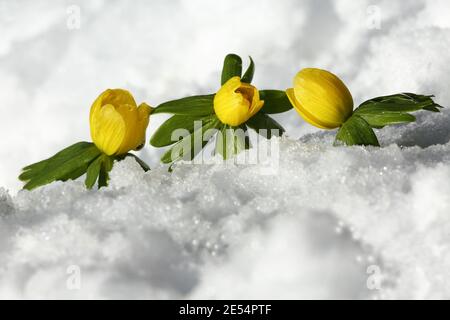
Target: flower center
column 247, row 94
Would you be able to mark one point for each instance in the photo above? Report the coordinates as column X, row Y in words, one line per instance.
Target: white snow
column 321, row 227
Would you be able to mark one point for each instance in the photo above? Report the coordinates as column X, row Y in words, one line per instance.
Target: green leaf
column 163, row 135
column 393, row 109
column 141, row 162
column 69, row 163
column 220, row 146
column 232, row 66
column 190, row 106
column 379, row 119
column 35, row 169
column 403, row 102
column 30, row 171
column 100, row 169
column 275, row 101
column 231, row 141
column 75, row 174
column 93, row 172
column 187, row 148
column 356, row 131
column 433, row 108
column 263, row 125
column 248, row 75
column 107, row 165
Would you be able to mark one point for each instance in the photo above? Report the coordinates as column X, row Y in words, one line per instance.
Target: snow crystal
column 330, row 222
column 310, row 231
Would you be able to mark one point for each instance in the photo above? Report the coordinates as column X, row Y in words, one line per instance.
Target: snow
column 330, row 222
column 212, row 231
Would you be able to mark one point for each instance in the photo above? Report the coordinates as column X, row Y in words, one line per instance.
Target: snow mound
column 331, row 222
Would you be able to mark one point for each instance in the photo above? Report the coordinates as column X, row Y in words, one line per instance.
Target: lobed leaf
column 187, row 148
column 263, row 125
column 191, row 106
column 163, row 135
column 141, row 162
column 232, row 66
column 356, row 131
column 69, row 163
column 107, row 165
column 248, row 75
column 403, row 102
column 232, row 140
column 275, row 101
column 93, row 171
column 31, row 170
column 380, row 119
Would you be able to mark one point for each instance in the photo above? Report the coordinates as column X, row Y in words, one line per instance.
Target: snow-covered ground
column 331, row 223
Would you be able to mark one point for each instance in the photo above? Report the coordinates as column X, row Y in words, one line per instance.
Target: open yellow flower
column 118, row 125
column 321, row 98
column 236, row 102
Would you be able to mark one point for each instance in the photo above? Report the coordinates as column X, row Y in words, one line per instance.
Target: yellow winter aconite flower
column 321, row 98
column 236, row 102
column 118, row 125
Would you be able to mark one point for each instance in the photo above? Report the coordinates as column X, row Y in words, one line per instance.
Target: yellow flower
column 118, row 125
column 321, row 98
column 236, row 102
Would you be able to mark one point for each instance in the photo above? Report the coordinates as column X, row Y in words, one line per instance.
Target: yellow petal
column 94, row 115
column 236, row 102
column 257, row 104
column 129, row 115
column 322, row 97
column 231, row 107
column 144, row 111
column 109, row 128
column 136, row 122
column 305, row 115
column 117, row 97
column 117, row 124
column 113, row 97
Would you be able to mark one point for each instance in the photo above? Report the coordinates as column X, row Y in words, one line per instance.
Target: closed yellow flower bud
column 321, row 98
column 118, row 125
column 236, row 102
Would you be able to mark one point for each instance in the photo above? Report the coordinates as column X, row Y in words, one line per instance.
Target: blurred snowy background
column 335, row 223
